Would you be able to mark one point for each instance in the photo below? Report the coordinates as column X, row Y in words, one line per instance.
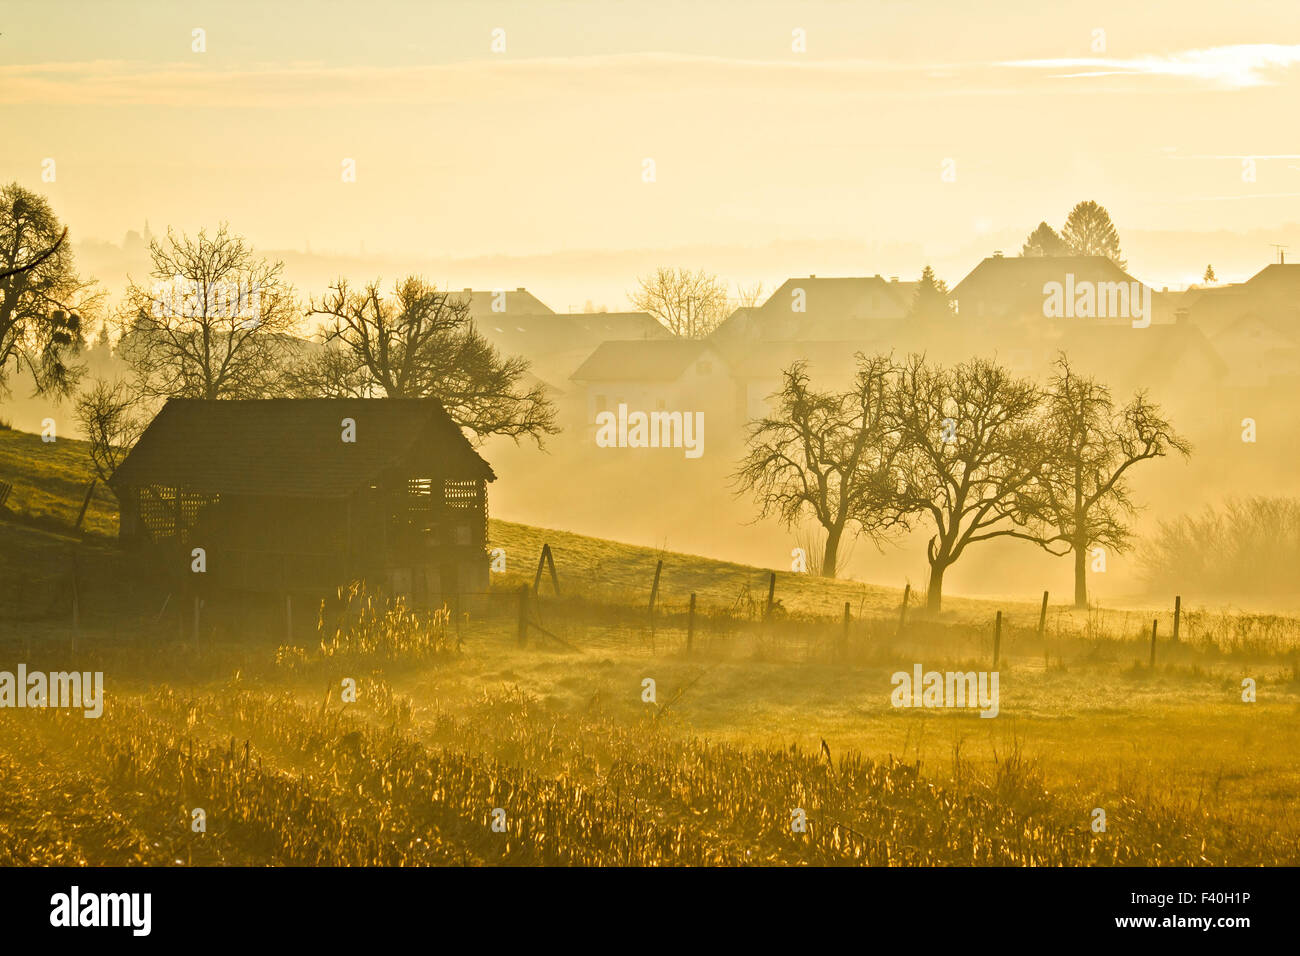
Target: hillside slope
column 50, row 478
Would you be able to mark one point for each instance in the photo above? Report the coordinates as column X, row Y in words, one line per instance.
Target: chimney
column 997, row 253
column 893, row 278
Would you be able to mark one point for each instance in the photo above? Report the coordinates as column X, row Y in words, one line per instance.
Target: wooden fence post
column 545, row 560
column 1154, row 623
column 1178, row 613
column 771, row 594
column 997, row 639
column 844, row 650
column 1042, row 632
column 85, row 503
column 654, row 593
column 902, row 614
column 690, row 625
column 523, row 615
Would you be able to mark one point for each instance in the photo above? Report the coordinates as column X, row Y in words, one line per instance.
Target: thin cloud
column 115, row 82
column 1241, row 66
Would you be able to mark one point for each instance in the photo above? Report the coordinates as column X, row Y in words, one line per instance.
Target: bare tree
column 327, row 369
column 216, row 322
column 690, row 304
column 830, row 454
column 422, row 342
column 1084, row 500
column 110, row 415
column 972, row 444
column 42, row 299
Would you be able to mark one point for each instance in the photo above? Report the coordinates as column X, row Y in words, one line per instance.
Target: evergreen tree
column 1089, row 232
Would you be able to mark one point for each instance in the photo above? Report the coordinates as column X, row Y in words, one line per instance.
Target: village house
column 822, row 309
column 303, row 495
column 673, row 375
column 484, row 303
column 555, row 344
column 1254, row 325
column 1003, row 290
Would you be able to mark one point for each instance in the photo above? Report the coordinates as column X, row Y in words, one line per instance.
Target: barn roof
column 294, row 447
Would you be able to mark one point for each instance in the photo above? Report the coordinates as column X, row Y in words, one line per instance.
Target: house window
column 703, row 368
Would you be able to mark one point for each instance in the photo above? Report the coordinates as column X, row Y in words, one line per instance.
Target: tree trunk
column 1080, row 575
column 934, row 593
column 831, row 554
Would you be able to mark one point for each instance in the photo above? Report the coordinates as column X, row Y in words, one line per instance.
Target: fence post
column 654, row 591
column 845, row 643
column 997, row 639
column 1042, row 617
column 902, row 614
column 1154, row 623
column 1178, row 612
column 546, row 560
column 523, row 615
column 85, row 503
column 690, row 625
column 771, row 594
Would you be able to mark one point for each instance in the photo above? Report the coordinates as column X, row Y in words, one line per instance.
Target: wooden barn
column 303, row 495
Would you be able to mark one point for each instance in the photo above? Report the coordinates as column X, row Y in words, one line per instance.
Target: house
column 759, row 374
column 555, row 344
column 487, row 302
column 1033, row 291
column 825, row 309
column 1274, row 290
column 672, row 374
column 1254, row 325
column 1260, row 349
column 302, row 495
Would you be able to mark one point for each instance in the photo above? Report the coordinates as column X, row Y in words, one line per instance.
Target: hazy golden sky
column 461, row 151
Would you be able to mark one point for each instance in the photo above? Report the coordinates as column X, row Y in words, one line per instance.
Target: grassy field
column 761, row 718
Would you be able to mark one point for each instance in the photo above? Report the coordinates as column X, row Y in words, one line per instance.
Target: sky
column 901, row 133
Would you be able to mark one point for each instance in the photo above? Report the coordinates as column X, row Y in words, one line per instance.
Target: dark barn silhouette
column 279, row 501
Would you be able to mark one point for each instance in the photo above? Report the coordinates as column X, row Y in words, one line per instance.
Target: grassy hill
column 49, row 480
column 740, row 731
